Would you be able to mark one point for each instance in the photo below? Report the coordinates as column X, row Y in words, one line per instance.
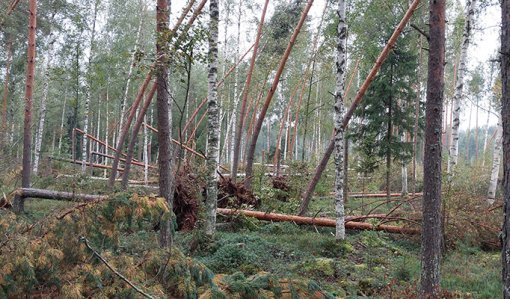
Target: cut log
column 320, row 221
column 57, row 195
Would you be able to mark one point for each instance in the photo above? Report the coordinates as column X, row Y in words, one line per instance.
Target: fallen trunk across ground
column 57, row 195
column 320, row 221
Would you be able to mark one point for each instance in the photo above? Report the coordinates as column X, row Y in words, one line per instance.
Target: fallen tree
column 56, row 195
column 350, row 221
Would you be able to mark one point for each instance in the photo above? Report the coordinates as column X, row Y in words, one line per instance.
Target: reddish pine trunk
column 431, row 228
column 19, row 204
column 253, row 143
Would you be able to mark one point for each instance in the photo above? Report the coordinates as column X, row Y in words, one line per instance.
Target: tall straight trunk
column 476, row 131
column 256, row 131
column 4, row 134
column 417, row 114
column 458, row 96
column 404, row 170
column 242, row 113
column 130, row 70
column 42, row 116
column 431, row 227
column 341, row 63
column 468, row 137
column 164, row 108
column 88, row 80
column 19, row 202
column 505, row 117
column 307, row 194
column 236, row 83
column 145, row 152
column 107, row 127
column 388, row 140
column 213, row 125
column 496, row 161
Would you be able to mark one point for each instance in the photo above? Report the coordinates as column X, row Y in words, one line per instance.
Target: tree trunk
column 388, row 140
column 42, row 116
column 88, row 80
column 134, row 133
column 417, row 114
column 19, row 202
column 486, row 135
column 164, row 108
column 213, row 125
column 457, row 98
column 496, row 161
column 341, row 63
column 431, row 228
column 468, row 137
column 256, row 131
column 307, row 195
column 130, row 70
column 405, row 189
column 505, row 117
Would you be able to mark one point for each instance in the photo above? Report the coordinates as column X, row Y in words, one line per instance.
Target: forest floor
column 367, row 264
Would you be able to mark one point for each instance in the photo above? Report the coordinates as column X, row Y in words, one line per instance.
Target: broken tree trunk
column 359, row 97
column 320, row 221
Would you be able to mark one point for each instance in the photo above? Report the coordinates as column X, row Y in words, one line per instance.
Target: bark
column 307, row 195
column 124, row 130
column 468, row 137
column 404, row 172
column 496, row 161
column 319, row 221
column 458, row 96
column 431, row 228
column 130, row 70
column 341, row 62
column 256, row 131
column 88, row 80
column 505, row 117
column 242, row 113
column 57, row 195
column 19, row 203
column 417, row 114
column 42, row 115
column 145, row 153
column 213, row 124
column 389, row 135
column 164, row 108
column 486, row 135
column 236, row 96
column 136, row 129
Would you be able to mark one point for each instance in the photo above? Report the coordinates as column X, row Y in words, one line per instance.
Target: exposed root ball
column 234, row 195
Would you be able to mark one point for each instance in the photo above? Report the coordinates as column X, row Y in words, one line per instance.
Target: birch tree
column 496, row 161
column 213, row 119
column 42, row 115
column 341, row 63
column 457, row 97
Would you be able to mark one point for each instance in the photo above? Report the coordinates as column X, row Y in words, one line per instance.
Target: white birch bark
column 130, row 70
column 457, row 98
column 145, row 152
column 87, row 93
column 61, row 132
column 405, row 189
column 212, row 121
column 107, row 130
column 233, row 120
column 496, row 161
column 339, row 114
column 486, row 136
column 42, row 116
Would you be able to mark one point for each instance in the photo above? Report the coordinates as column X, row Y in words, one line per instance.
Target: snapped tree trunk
column 19, row 202
column 431, row 228
column 341, row 65
column 250, row 156
column 457, row 98
column 496, row 161
column 213, row 124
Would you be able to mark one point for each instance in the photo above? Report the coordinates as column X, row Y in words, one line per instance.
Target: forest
column 254, row 149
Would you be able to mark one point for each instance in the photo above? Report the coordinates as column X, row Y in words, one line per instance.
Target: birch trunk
column 405, row 190
column 496, row 161
column 130, row 71
column 457, row 98
column 212, row 122
column 486, row 136
column 339, row 128
column 236, row 95
column 5, row 134
column 42, row 116
column 145, row 152
column 87, row 92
